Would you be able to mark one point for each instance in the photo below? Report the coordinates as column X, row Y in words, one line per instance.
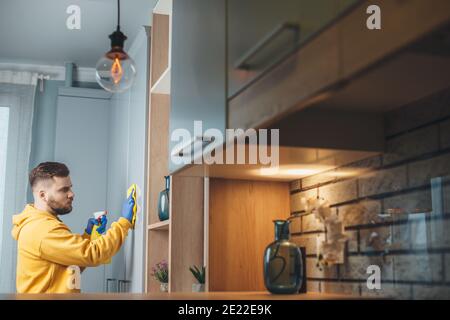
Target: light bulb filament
column 116, row 71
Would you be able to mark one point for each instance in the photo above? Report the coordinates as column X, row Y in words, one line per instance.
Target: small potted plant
column 161, row 273
column 199, row 275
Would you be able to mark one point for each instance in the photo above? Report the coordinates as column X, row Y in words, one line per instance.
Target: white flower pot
column 164, row 287
column 198, row 287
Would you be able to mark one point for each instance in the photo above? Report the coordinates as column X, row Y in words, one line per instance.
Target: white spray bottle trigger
column 99, row 214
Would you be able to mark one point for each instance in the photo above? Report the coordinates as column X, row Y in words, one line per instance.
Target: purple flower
column 161, row 271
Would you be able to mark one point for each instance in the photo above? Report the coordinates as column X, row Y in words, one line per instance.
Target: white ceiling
column 34, row 31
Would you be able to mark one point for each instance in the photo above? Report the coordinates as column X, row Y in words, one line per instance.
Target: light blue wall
column 126, row 156
column 137, row 142
column 82, row 130
column 44, row 122
column 127, row 151
column 117, row 172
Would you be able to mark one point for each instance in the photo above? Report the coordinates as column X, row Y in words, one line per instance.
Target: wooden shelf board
column 162, row 85
column 160, row 47
column 294, row 163
column 163, row 225
column 258, row 295
column 163, row 7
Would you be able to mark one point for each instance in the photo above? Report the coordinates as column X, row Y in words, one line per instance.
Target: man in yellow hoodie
column 48, row 251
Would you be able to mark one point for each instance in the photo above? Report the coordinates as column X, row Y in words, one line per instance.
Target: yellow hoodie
column 47, row 247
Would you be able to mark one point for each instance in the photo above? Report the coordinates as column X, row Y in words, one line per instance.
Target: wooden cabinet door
column 402, row 23
column 261, row 33
column 297, row 82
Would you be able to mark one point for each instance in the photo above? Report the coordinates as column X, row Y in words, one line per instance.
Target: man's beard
column 56, row 207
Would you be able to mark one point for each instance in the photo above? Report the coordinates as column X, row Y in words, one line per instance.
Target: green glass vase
column 163, row 201
column 283, row 266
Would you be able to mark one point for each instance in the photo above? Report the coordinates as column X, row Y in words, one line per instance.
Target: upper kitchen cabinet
column 340, row 65
column 401, row 23
column 404, row 61
column 198, row 84
column 289, row 65
column 261, row 33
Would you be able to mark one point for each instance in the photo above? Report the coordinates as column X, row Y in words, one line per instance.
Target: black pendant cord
column 117, row 37
column 118, row 14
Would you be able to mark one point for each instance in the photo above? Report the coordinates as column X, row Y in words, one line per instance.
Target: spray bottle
column 95, row 234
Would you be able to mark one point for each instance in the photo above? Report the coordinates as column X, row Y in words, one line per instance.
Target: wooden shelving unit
column 158, row 233
column 162, row 86
column 161, row 226
column 221, row 216
column 179, row 240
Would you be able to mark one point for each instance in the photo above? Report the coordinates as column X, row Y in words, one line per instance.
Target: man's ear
column 42, row 195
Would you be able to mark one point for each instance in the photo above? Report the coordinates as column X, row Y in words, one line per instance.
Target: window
column 4, row 122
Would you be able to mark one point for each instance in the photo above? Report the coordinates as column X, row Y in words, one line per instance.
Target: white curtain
column 17, row 93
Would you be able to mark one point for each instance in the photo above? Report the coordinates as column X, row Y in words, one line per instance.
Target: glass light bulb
column 115, row 74
column 116, row 71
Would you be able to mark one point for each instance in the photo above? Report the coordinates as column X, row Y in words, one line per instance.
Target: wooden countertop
column 179, row 296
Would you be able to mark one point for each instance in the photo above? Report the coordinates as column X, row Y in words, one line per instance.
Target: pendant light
column 115, row 71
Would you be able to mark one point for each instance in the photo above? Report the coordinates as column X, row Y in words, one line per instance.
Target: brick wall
column 393, row 215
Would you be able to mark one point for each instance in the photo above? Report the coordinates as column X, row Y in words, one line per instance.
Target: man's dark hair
column 48, row 170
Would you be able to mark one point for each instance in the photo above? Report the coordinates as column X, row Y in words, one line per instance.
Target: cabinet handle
column 180, row 152
column 244, row 64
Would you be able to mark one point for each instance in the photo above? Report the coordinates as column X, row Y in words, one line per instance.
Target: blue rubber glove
column 103, row 223
column 90, row 225
column 93, row 221
column 127, row 208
